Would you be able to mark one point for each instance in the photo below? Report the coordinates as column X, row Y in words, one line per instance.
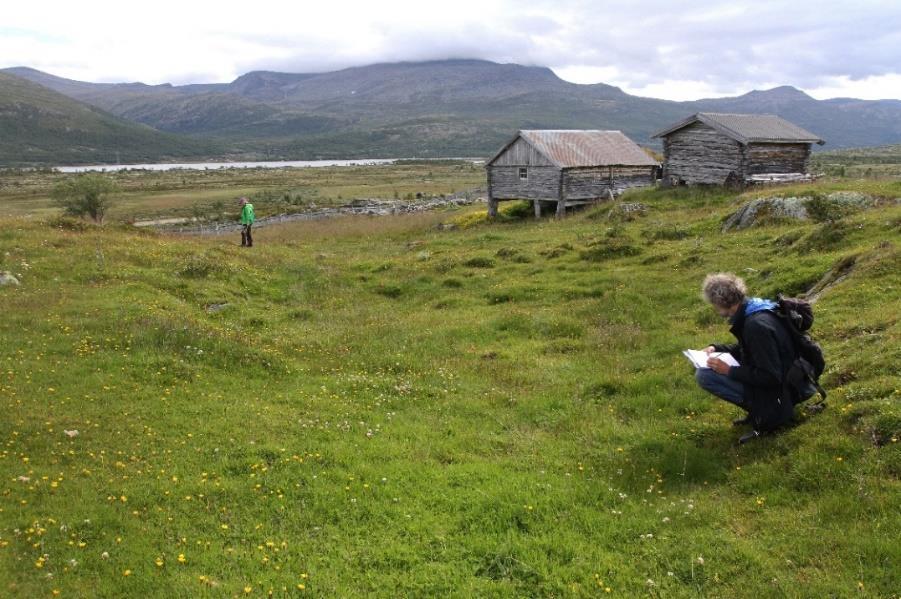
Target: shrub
column 85, row 195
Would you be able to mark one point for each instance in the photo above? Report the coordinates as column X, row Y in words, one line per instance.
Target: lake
column 200, row 166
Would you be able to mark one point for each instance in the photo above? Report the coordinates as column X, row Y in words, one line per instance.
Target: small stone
column 7, row 278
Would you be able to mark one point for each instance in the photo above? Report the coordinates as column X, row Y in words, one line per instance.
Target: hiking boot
column 748, row 437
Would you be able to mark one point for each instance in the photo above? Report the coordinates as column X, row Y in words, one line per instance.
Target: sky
column 665, row 49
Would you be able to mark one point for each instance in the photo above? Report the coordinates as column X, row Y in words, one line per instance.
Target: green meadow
column 211, row 194
column 387, row 407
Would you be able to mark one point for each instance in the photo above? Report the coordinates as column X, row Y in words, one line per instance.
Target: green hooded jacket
column 247, row 216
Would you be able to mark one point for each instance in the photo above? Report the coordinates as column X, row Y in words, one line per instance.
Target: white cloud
column 656, row 48
column 882, row 87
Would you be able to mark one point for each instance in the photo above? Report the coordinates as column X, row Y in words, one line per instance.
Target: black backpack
column 802, row 379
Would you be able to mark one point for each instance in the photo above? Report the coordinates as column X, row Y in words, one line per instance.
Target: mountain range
column 424, row 109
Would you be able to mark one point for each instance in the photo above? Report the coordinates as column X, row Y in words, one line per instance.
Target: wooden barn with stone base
column 735, row 149
column 566, row 168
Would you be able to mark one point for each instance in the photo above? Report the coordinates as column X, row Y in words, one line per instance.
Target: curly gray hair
column 723, row 289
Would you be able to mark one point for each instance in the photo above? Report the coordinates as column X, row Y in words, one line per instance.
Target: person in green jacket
column 247, row 219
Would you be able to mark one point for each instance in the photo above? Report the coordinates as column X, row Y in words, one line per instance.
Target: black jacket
column 765, row 352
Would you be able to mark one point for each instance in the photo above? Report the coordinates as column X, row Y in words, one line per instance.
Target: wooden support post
column 561, row 208
column 561, row 197
column 537, row 205
column 492, row 207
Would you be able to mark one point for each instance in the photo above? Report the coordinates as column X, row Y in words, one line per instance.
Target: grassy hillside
column 38, row 125
column 385, row 408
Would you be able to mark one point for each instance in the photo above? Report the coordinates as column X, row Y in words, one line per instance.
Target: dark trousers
column 246, row 237
column 722, row 386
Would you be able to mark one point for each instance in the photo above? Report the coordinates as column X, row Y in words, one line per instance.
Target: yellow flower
column 181, row 558
column 301, row 586
column 248, row 589
column 159, row 562
column 126, row 573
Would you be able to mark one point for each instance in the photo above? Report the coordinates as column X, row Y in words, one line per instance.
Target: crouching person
column 764, row 351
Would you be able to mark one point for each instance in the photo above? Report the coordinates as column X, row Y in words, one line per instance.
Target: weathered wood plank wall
column 776, row 158
column 521, row 153
column 543, row 183
column 699, row 153
column 597, row 182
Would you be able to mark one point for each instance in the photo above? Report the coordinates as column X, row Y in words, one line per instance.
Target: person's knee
column 704, row 378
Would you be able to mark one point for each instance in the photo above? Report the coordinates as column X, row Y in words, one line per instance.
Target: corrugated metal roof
column 582, row 148
column 748, row 128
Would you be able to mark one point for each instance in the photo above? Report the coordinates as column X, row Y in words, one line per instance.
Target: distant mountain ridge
column 460, row 107
column 41, row 126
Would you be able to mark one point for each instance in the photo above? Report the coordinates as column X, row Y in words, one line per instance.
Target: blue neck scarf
column 756, row 304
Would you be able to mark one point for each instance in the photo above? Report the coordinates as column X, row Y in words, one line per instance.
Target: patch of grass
column 363, row 422
column 609, row 249
column 479, row 262
column 828, row 236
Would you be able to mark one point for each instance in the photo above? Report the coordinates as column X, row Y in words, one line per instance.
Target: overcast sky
column 666, row 49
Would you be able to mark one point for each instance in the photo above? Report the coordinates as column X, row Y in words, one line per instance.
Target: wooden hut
column 711, row 148
column 566, row 168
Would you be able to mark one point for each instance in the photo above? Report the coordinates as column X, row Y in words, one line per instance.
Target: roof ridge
column 748, row 127
column 571, row 130
column 740, row 114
